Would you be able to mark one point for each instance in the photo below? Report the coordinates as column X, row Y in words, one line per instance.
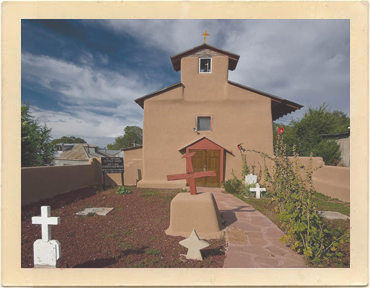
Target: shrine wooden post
column 190, row 176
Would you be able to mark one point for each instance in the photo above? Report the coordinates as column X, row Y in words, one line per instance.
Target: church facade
column 203, row 113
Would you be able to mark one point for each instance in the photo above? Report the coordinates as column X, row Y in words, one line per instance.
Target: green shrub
column 233, row 185
column 123, row 190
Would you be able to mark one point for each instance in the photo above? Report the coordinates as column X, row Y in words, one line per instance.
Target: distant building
column 77, row 154
column 112, row 153
column 343, row 139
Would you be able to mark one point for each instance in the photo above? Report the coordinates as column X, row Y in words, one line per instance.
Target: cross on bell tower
column 205, row 34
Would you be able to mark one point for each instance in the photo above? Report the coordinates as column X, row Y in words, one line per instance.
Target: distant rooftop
column 80, row 152
column 74, row 144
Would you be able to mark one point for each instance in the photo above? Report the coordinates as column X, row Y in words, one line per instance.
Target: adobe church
column 204, row 113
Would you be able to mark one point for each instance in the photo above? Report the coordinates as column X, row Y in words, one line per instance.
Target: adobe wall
column 332, row 181
column 238, row 116
column 133, row 164
column 39, row 183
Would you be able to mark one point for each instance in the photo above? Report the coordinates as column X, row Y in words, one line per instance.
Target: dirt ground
column 130, row 236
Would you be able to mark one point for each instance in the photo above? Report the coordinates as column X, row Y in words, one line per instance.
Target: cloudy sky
column 81, row 77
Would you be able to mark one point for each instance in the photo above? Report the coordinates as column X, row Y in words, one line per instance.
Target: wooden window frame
column 211, row 122
column 200, row 59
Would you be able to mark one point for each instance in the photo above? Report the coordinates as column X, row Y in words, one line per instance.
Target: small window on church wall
column 204, row 65
column 204, row 123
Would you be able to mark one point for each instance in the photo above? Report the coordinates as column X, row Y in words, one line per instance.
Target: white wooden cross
column 45, row 220
column 258, row 190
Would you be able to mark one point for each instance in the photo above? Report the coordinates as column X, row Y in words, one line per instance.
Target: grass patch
column 166, row 196
column 325, row 203
column 128, row 232
column 126, row 246
column 153, row 252
column 148, row 193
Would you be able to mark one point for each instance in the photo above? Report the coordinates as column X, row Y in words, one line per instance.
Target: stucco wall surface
column 238, row 116
column 46, row 182
column 133, row 166
column 332, row 181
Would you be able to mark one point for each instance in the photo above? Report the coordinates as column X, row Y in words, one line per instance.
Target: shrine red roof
column 204, row 138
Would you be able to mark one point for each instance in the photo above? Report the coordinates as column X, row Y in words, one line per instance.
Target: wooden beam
column 193, row 175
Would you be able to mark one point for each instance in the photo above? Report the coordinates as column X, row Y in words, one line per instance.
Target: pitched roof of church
column 279, row 106
column 176, row 59
column 141, row 99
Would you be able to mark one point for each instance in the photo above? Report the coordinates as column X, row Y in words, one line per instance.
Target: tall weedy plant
column 293, row 192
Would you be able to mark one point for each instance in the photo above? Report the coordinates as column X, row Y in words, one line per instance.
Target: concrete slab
column 332, row 215
column 98, row 211
column 236, row 236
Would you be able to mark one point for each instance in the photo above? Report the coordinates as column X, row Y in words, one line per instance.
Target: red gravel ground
column 130, row 236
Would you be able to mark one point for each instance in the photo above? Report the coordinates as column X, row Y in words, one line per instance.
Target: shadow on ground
column 230, row 215
column 58, row 201
column 213, row 252
column 105, row 262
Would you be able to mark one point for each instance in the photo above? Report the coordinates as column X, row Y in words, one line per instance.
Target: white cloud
column 94, row 102
column 84, row 124
column 173, row 36
column 82, row 85
column 104, row 59
column 302, row 61
column 87, row 59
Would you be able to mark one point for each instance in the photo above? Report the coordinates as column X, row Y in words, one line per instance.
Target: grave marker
column 250, row 179
column 258, row 190
column 194, row 245
column 46, row 252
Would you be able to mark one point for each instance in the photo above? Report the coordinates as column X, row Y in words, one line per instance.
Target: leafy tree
column 68, row 139
column 133, row 135
column 35, row 141
column 306, row 133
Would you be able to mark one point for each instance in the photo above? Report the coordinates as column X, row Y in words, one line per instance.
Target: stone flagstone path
column 253, row 239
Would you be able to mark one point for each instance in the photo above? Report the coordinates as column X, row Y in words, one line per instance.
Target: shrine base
column 199, row 212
